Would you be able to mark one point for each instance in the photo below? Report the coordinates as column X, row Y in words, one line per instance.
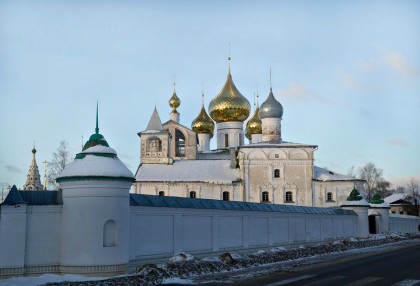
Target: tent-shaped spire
column 33, row 179
column 155, row 123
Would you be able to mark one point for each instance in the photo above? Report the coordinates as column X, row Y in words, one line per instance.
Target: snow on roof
column 383, row 205
column 394, row 197
column 322, row 174
column 97, row 166
column 361, row 203
column 100, row 149
column 211, row 171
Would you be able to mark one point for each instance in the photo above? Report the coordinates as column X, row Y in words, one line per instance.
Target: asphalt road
column 397, row 267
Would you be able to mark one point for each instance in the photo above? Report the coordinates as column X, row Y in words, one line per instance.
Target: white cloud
column 12, row 169
column 402, row 181
column 397, row 63
column 396, row 142
column 300, row 94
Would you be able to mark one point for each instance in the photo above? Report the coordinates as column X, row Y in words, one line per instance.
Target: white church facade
column 177, row 161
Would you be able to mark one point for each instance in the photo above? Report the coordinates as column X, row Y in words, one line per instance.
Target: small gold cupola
column 203, row 124
column 229, row 104
column 254, row 124
column 174, row 103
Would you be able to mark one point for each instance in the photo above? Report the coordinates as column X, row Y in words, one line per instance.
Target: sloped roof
column 321, row 174
column 394, row 198
column 177, row 202
column 211, row 171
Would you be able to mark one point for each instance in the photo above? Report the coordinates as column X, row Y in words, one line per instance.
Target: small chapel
column 176, row 160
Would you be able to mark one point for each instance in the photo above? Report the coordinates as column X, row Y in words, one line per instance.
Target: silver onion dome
column 271, row 108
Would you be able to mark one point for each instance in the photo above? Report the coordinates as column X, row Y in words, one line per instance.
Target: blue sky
column 346, row 72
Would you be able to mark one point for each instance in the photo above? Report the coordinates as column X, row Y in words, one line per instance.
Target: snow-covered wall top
column 210, row 171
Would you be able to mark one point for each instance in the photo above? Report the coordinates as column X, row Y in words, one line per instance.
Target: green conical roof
column 354, row 195
column 376, row 199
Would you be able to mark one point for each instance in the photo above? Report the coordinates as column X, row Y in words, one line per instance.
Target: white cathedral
column 177, row 161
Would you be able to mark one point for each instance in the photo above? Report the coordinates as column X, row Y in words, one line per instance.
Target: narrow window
column 179, row 144
column 192, row 195
column 162, row 193
column 241, row 140
column 276, row 173
column 289, row 197
column 110, row 234
column 276, row 155
column 226, row 196
column 329, row 196
column 226, row 140
column 265, row 197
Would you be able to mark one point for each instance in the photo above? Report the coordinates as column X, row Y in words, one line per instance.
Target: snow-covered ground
column 185, row 269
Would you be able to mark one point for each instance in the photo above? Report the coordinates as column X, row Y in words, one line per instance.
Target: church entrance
column 372, row 224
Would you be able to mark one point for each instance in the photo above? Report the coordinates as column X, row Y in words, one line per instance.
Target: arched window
column 179, row 144
column 192, row 195
column 289, row 197
column 226, row 196
column 276, row 173
column 154, row 145
column 226, row 140
column 162, row 193
column 329, row 196
column 265, row 197
column 110, row 233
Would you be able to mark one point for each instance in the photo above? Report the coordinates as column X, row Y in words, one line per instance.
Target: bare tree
column 59, row 160
column 350, row 172
column 372, row 175
column 384, row 188
column 413, row 194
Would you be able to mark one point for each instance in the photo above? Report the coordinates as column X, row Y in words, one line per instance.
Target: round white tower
column 95, row 218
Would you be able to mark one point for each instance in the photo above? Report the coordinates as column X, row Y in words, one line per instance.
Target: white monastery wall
column 30, row 239
column 12, row 239
column 43, row 228
column 404, row 223
column 158, row 233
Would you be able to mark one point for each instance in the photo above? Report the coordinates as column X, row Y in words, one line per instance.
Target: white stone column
column 382, row 219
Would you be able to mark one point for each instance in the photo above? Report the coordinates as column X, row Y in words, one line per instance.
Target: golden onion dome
column 174, row 101
column 254, row 124
column 229, row 104
column 203, row 124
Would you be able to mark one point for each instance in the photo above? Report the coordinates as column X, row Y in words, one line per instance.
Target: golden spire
column 45, row 174
column 229, row 104
column 203, row 124
column 174, row 101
